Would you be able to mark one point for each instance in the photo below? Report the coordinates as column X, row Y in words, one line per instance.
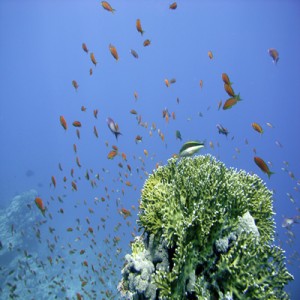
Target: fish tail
column 270, row 173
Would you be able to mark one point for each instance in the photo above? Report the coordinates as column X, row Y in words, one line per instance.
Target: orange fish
column 263, row 166
column 210, row 55
column 39, row 203
column 75, row 84
column 128, row 183
column 84, row 47
column 225, row 79
column 63, row 122
column 138, row 139
column 91, row 71
column 201, row 83
column 75, row 148
column 173, row 5
column 53, row 181
column 96, row 113
column 257, row 127
column 93, row 59
column 113, row 51
column 167, row 83
column 229, row 90
column 78, row 162
column 135, row 94
column 74, row 185
column 112, row 154
column 274, row 54
column 229, row 103
column 146, row 43
column 145, row 152
column 83, row 108
column 107, row 6
column 133, row 112
column 76, row 124
column 139, row 26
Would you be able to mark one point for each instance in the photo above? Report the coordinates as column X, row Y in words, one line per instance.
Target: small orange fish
column 78, row 162
column 63, row 122
column 84, row 47
column 75, row 84
column 210, row 55
column 53, row 181
column 93, row 59
column 112, row 154
column 74, row 185
column 136, row 96
column 76, row 124
column 133, row 112
column 225, row 79
column 115, row 147
column 139, row 26
column 91, row 71
column 83, row 108
column 263, row 166
column 257, row 127
column 39, row 203
column 229, row 90
column 201, row 83
column 167, row 83
column 146, row 43
column 230, row 102
column 113, row 51
column 124, row 156
column 274, row 54
column 96, row 113
column 128, row 183
column 75, row 148
column 107, row 6
column 173, row 5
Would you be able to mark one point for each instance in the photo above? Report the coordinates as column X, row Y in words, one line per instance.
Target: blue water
column 41, row 53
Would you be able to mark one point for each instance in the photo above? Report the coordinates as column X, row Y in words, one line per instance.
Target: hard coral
column 214, row 229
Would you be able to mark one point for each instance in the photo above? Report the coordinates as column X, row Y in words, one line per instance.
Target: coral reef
column 208, row 234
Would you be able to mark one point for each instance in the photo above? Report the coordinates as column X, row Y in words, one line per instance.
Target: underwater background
column 91, row 198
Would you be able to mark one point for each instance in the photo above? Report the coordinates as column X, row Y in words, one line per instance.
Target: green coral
column 217, row 228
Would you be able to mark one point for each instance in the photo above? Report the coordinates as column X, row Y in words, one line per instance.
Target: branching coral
column 213, row 229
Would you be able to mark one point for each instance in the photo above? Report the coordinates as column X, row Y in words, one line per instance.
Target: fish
column 190, row 148
column 263, row 166
column 138, row 139
column 274, row 54
column 76, row 124
column 167, row 83
column 225, row 79
column 229, row 90
column 178, row 135
column 107, row 6
column 84, row 47
column 139, row 26
column 201, row 83
column 63, row 122
column 173, row 5
column 210, row 55
column 53, row 180
column 230, row 102
column 113, row 51
column 134, row 53
column 113, row 127
column 222, row 129
column 75, row 84
column 257, row 127
column 39, row 203
column 146, row 43
column 93, row 59
column 112, row 154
